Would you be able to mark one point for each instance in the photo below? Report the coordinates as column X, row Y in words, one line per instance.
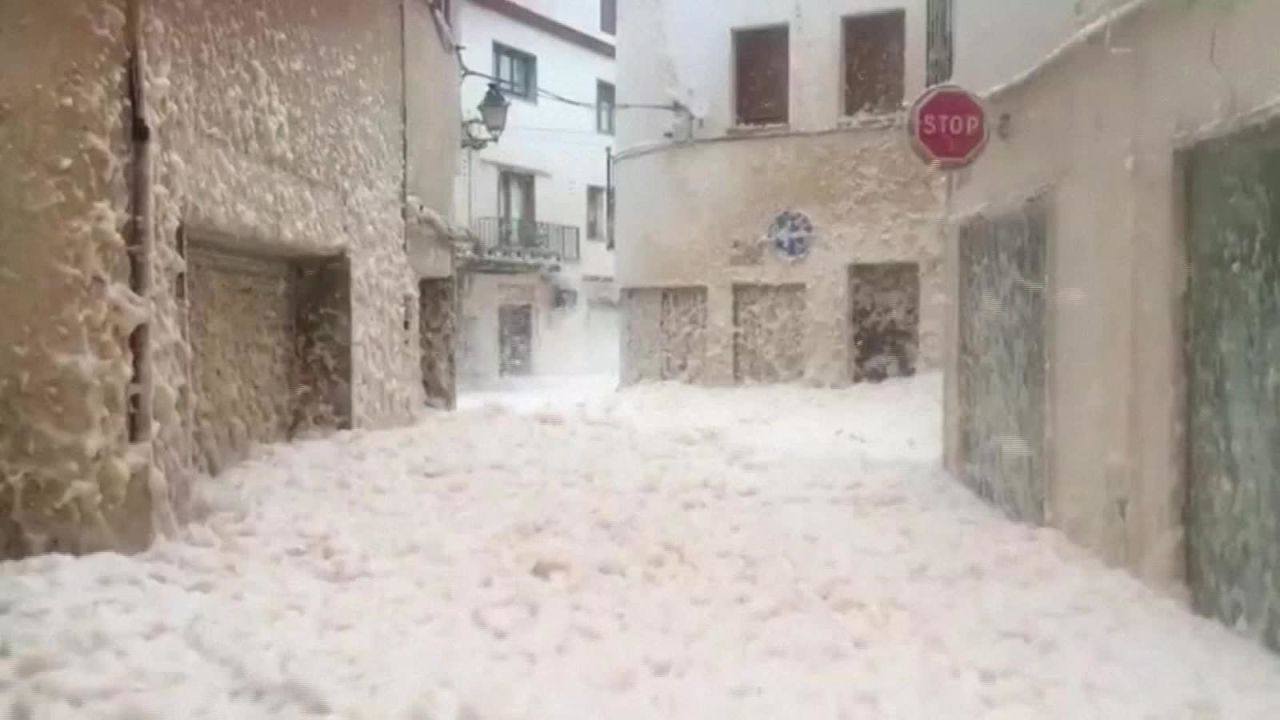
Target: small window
column 762, row 67
column 874, row 58
column 596, row 213
column 609, row 213
column 605, row 108
column 941, row 52
column 609, row 16
column 517, row 72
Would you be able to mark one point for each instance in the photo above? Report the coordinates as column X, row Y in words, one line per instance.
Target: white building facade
column 779, row 229
column 537, row 287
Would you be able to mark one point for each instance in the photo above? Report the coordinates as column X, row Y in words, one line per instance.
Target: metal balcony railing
column 507, row 238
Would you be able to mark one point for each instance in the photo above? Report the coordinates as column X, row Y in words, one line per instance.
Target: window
column 940, row 63
column 517, row 72
column 604, row 108
column 610, row 201
column 609, row 16
column 762, row 83
column 596, row 213
column 874, row 57
column 517, row 207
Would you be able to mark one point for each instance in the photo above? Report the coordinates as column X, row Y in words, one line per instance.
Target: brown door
column 437, row 320
column 886, row 320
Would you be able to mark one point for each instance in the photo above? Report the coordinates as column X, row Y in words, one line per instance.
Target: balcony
column 507, row 245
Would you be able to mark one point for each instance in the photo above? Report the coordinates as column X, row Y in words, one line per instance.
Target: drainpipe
column 404, row 122
column 140, row 240
column 608, row 198
column 471, row 184
column 140, row 244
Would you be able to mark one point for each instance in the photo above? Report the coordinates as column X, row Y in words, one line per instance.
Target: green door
column 1002, row 378
column 1233, row 388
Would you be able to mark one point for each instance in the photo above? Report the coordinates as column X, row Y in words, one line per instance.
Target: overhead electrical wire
column 675, row 105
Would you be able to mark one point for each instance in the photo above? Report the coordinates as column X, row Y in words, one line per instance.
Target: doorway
column 437, row 320
column 515, row 340
column 886, row 320
column 271, row 349
column 1233, row 381
column 1003, row 363
column 768, row 333
column 518, row 208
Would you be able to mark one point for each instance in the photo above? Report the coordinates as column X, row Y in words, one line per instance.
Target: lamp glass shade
column 493, row 111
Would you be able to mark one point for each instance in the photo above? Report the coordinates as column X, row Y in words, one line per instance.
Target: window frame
column 735, row 87
column 940, row 65
column 597, row 205
column 612, row 125
column 529, row 189
column 843, row 90
column 609, row 17
column 501, row 50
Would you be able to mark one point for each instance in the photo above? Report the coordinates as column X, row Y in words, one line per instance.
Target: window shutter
column 762, row 79
column 941, row 52
column 874, row 58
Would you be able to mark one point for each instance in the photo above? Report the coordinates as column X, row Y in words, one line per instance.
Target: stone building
column 215, row 222
column 776, row 227
column 536, row 281
column 1112, row 355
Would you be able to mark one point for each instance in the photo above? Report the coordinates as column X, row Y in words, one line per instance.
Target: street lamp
column 493, row 116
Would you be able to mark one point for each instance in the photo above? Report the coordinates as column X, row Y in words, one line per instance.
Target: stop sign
column 949, row 127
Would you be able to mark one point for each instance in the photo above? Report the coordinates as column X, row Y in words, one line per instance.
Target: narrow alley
column 557, row 549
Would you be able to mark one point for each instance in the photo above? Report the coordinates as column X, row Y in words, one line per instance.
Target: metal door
column 1002, row 377
column 1233, row 382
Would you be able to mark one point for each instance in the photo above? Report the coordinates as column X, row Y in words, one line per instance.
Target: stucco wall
column 1100, row 130
column 277, row 127
column 433, row 132
column 66, row 481
column 997, row 39
column 282, row 125
column 686, row 215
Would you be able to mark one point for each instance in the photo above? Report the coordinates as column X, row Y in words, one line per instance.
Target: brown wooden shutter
column 874, row 58
column 762, row 75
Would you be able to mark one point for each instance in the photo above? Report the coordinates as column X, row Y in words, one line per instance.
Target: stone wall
column 68, row 478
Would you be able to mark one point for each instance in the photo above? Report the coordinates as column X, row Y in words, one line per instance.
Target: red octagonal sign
column 949, row 127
